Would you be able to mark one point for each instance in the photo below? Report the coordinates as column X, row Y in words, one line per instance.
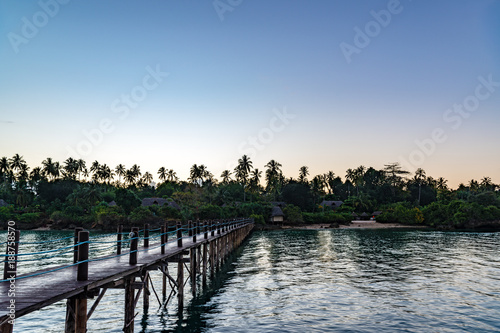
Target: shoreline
column 357, row 225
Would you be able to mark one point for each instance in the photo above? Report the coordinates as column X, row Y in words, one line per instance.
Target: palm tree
column 303, row 173
column 105, row 173
column 226, row 176
column 129, row 177
column 172, row 176
column 120, row 172
column 487, row 184
column 419, row 176
column 196, row 174
column 147, row 178
column 81, row 167
column 35, row 177
column 162, row 172
column 136, row 170
column 17, row 162
column 441, row 184
column 94, row 167
column 50, row 168
column 243, row 168
column 330, row 181
column 4, row 168
column 274, row 176
column 70, row 169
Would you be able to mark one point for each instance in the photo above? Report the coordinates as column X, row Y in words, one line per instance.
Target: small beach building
column 146, row 202
column 331, row 204
column 277, row 216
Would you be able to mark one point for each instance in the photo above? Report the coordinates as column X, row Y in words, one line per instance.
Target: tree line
column 73, row 192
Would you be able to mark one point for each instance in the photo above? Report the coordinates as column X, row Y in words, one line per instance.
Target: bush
column 141, row 215
column 293, row 214
column 259, row 219
column 400, row 213
column 6, row 213
column 209, row 212
column 29, row 218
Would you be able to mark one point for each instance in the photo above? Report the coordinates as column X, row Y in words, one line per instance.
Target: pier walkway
column 204, row 245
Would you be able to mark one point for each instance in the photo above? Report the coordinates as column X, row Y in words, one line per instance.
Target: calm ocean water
column 321, row 281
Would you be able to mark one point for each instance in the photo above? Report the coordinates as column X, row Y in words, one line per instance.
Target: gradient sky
column 67, row 68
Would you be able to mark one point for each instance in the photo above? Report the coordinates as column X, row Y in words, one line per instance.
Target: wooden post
column 180, row 284
column 162, row 239
column 82, row 275
column 129, row 305
column 195, row 230
column 81, row 314
column 145, row 292
column 192, row 260
column 119, row 239
column 83, row 255
column 146, row 235
column 205, row 229
column 69, row 326
column 179, row 234
column 205, row 260
column 75, row 250
column 212, row 228
column 134, row 242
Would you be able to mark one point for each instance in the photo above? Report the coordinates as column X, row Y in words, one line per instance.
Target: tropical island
column 68, row 194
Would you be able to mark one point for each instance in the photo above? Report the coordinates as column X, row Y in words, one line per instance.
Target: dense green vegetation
column 98, row 196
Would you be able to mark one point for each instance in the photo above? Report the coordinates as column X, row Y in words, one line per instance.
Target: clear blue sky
column 345, row 98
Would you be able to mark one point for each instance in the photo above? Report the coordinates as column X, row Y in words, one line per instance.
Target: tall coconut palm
column 243, row 168
column 35, row 177
column 81, row 167
column 274, row 177
column 196, row 174
column 147, row 178
column 303, row 173
column 136, row 170
column 4, row 168
column 442, row 184
column 162, row 173
column 94, row 167
column 16, row 163
column 129, row 177
column 50, row 169
column 226, row 176
column 172, row 176
column 329, row 181
column 419, row 177
column 70, row 168
column 120, row 172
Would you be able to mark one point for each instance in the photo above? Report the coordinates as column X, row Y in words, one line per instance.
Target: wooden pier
column 205, row 247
